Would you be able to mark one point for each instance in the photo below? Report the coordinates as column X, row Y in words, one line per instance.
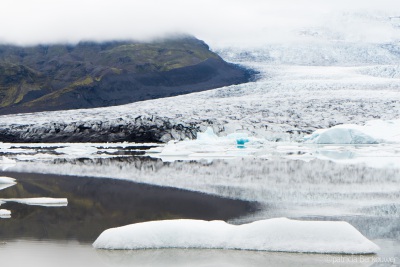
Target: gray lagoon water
column 127, row 186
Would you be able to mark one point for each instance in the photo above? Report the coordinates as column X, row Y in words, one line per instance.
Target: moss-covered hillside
column 88, row 74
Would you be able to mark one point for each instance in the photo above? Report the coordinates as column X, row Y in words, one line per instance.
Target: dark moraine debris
column 129, row 128
column 89, row 74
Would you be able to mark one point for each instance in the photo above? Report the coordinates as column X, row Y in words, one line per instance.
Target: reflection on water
column 98, row 204
column 48, row 254
column 287, row 187
column 366, row 197
column 195, row 257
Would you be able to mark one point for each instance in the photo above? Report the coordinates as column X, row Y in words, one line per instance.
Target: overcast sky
column 218, row 22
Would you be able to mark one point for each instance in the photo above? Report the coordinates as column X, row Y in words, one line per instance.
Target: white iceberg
column 5, row 214
column 373, row 132
column 341, row 135
column 77, row 150
column 5, row 163
column 4, row 160
column 279, row 234
column 39, row 201
column 208, row 146
column 7, row 180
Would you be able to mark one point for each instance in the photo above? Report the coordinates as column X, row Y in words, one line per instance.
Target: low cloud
column 222, row 22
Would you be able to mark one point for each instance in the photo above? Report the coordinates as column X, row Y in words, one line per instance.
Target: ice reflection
column 286, row 187
column 232, row 258
column 6, row 182
column 366, row 197
column 48, row 254
column 95, row 205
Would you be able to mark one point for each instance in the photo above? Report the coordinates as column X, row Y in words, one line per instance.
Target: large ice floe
column 279, row 234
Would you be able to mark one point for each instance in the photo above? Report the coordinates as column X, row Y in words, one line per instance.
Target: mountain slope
column 88, row 75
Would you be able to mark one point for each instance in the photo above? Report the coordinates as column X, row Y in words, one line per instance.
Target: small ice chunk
column 39, row 201
column 5, row 214
column 242, row 141
column 279, row 234
column 5, row 160
column 77, row 150
column 208, row 135
column 7, row 180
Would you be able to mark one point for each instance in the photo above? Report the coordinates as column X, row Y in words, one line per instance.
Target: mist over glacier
column 221, row 23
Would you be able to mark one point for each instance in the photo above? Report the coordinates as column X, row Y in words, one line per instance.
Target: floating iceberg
column 280, row 234
column 208, row 146
column 5, row 163
column 340, row 135
column 5, row 214
column 5, row 160
column 373, row 132
column 77, row 150
column 7, row 180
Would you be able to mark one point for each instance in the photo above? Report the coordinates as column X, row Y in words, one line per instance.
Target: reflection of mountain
column 286, row 188
column 98, row 204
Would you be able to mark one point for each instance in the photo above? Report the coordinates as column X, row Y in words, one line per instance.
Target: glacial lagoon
column 114, row 186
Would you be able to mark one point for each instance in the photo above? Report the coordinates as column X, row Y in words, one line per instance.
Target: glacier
column 341, row 69
column 315, row 135
column 279, row 234
column 287, row 102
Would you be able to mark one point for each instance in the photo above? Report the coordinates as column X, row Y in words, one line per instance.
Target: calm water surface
column 237, row 190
